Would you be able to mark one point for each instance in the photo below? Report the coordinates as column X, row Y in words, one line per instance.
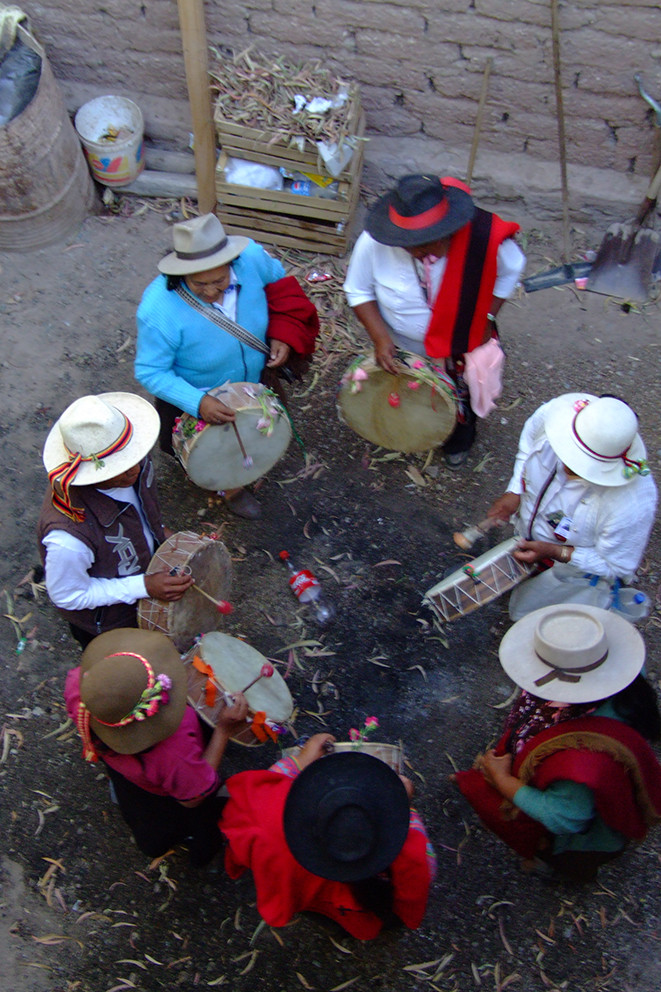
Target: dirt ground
column 81, row 909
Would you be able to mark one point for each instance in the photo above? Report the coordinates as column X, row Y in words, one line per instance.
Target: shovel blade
column 624, row 263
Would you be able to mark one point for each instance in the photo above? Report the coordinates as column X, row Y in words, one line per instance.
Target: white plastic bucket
column 111, row 131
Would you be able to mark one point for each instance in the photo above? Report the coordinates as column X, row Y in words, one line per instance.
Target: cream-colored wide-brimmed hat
column 572, row 653
column 596, row 437
column 200, row 244
column 110, row 432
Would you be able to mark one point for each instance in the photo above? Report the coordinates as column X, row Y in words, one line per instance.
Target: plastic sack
column 566, row 584
column 20, row 72
column 243, row 173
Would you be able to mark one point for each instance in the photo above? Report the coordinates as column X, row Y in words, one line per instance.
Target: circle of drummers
column 160, row 691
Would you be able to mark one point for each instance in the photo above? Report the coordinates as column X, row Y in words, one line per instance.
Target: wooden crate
column 281, row 218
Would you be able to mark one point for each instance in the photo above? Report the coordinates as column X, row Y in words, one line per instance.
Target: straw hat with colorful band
column 95, row 439
column 572, row 653
column 200, row 244
column 419, row 210
column 346, row 817
column 596, row 437
column 132, row 691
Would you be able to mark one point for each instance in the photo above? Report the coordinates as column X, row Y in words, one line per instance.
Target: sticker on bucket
column 118, row 171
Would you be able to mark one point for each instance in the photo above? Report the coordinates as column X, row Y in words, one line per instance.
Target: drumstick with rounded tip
column 266, row 672
column 465, row 539
column 221, row 604
column 247, row 460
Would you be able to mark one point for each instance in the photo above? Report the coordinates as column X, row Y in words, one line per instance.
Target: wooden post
column 196, row 59
column 562, row 143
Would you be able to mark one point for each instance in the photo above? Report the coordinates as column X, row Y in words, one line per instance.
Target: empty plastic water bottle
column 307, row 589
column 632, row 604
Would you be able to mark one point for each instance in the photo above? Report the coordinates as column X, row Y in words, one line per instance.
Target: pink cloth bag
column 483, row 374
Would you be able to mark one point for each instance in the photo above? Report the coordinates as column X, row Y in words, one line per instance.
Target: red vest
column 252, row 823
column 465, row 296
column 609, row 757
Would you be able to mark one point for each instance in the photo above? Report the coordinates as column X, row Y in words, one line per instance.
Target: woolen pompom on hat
column 200, row 244
column 419, row 210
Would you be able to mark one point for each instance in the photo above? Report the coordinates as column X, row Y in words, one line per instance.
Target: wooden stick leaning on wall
column 478, row 120
column 560, row 112
column 196, row 60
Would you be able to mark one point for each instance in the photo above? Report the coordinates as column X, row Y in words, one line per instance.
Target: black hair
column 173, row 282
column 638, row 706
column 376, row 896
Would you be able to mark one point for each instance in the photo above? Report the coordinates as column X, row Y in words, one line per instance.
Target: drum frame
column 393, row 752
column 157, row 614
column 472, row 589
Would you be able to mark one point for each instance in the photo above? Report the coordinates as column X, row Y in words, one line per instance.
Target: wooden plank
column 285, row 240
column 151, row 183
column 283, row 203
column 196, row 63
column 284, row 225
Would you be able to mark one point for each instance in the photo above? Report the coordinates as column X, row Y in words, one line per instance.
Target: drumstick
column 247, row 460
column 465, row 539
column 266, row 672
column 221, row 604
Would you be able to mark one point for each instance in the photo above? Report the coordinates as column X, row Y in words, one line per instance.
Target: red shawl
column 459, row 317
column 292, row 315
column 609, row 757
column 252, row 823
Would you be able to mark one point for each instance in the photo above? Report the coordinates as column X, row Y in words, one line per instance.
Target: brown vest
column 113, row 533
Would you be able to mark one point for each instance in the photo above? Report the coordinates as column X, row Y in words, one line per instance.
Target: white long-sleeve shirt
column 68, row 560
column 390, row 277
column 610, row 525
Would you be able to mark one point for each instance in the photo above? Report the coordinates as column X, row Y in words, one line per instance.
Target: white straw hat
column 597, row 438
column 572, row 653
column 200, row 244
column 93, row 424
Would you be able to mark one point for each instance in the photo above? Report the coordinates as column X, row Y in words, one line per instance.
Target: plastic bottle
column 307, row 589
column 632, row 604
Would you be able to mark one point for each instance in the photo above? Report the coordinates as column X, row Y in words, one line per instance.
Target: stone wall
column 420, row 65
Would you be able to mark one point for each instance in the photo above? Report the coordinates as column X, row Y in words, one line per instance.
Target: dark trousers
column 168, row 414
column 463, row 435
column 160, row 822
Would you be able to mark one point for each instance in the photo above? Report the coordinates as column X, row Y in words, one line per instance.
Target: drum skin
column 210, row 453
column 236, row 664
column 391, row 754
column 412, row 411
column 186, row 618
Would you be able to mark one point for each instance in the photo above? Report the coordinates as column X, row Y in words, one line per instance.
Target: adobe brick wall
column 420, row 65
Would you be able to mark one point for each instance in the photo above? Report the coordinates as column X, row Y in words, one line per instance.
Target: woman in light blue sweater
column 181, row 354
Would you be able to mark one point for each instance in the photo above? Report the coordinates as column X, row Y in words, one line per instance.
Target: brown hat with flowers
column 132, row 691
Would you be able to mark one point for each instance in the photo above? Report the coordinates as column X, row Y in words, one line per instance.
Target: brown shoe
column 243, row 504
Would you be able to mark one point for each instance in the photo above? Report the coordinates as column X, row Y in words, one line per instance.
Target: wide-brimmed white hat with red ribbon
column 596, row 438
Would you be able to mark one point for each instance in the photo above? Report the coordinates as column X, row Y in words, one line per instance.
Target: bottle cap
column 639, row 597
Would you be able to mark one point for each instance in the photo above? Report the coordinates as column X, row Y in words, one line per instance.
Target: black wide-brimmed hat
column 346, row 817
column 420, row 209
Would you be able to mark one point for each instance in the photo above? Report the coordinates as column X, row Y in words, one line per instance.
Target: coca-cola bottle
column 307, row 589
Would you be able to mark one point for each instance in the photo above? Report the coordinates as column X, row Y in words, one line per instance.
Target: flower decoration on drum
column 418, row 365
column 358, row 736
column 265, row 729
column 354, row 375
column 270, row 411
column 188, row 428
column 413, row 385
column 394, row 400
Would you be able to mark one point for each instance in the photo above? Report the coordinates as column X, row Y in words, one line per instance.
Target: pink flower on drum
column 199, row 426
column 418, row 365
column 581, row 405
column 414, row 385
column 263, row 423
column 359, row 374
column 371, row 722
column 354, row 735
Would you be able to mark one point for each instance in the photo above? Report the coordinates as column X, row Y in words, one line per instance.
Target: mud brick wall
column 420, row 65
